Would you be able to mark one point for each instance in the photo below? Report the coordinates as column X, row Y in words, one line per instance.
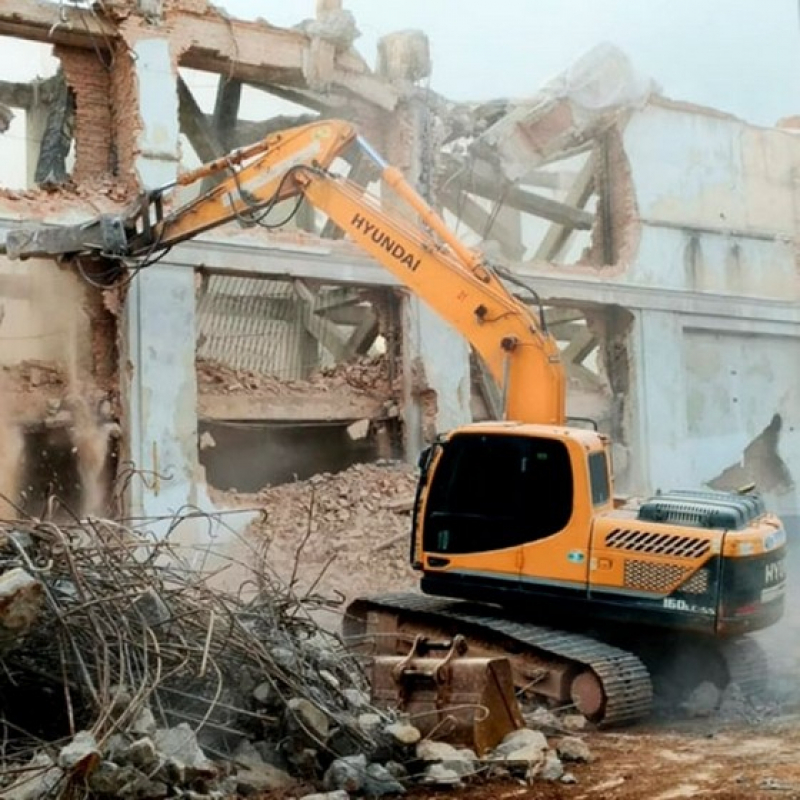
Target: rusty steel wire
column 129, row 624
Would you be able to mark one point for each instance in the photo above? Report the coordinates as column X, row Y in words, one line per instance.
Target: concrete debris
column 285, row 703
column 403, row 733
column 37, row 780
column 309, row 719
column 573, row 722
column 461, row 761
column 404, row 56
column 703, row 700
column 339, row 794
column 80, row 754
column 20, row 605
column 517, row 740
column 440, row 775
column 338, row 520
column 567, row 113
column 542, row 718
column 379, row 780
column 347, row 773
column 336, row 26
column 366, row 374
column 571, row 748
column 552, row 769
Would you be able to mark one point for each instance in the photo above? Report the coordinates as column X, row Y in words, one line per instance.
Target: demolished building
column 660, row 237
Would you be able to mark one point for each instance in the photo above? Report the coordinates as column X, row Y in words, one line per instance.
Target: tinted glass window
column 598, row 476
column 491, row 491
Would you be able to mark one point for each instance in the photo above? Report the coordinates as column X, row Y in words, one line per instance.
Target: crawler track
column 624, row 678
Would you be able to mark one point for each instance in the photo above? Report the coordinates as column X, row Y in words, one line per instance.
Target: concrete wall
column 715, row 397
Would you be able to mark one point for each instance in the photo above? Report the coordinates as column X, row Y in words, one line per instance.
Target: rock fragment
column 571, row 748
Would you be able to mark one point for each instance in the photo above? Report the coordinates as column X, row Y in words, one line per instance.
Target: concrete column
column 658, row 446
column 436, row 376
column 35, row 124
column 436, row 368
column 159, row 387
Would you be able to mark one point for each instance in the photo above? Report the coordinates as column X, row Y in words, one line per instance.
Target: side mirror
column 424, row 458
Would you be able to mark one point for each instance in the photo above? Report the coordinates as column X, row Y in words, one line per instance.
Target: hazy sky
column 741, row 56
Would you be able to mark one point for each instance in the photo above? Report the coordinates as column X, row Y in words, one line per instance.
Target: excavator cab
column 522, row 516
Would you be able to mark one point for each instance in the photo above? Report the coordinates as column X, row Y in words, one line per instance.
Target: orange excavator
column 521, row 546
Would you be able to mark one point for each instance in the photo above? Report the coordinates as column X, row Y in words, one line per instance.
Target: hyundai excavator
column 521, row 545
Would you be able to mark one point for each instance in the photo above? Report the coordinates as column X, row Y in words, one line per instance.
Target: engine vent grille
column 697, row 584
column 649, row 577
column 666, row 544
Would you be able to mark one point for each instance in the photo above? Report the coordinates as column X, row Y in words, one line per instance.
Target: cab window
column 598, row 477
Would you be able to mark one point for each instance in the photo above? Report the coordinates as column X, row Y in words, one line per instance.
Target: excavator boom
column 419, row 249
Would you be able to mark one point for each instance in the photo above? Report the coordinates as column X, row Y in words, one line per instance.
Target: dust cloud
column 55, row 329
column 11, row 449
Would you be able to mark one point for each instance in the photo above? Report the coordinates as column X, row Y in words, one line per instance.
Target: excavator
column 520, row 542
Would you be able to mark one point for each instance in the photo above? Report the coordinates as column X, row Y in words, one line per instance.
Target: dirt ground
column 652, row 763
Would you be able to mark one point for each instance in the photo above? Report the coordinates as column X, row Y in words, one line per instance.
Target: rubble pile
column 366, row 374
column 125, row 673
column 351, row 529
column 126, row 676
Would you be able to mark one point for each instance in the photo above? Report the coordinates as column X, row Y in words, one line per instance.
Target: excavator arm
column 426, row 257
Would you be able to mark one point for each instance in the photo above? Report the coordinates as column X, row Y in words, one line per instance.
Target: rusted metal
column 610, row 686
column 465, row 700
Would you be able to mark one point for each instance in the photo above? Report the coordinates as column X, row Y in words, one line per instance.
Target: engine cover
column 703, row 509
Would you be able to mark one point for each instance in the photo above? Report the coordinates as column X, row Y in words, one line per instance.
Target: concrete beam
column 306, row 407
column 54, row 23
column 478, row 177
column 253, row 52
column 341, row 263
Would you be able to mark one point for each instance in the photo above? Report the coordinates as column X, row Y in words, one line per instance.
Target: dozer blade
column 466, row 701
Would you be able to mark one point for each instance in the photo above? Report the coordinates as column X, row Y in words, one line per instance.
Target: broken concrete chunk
column 574, row 722
column 262, row 779
column 517, row 740
column 346, row 773
column 462, row 762
column 140, row 787
column 108, row 778
column 339, row 794
column 541, row 718
column 552, row 769
column 404, row 56
column 141, row 754
column 310, row 718
column 337, row 26
column 80, row 752
column 356, row 699
column 369, row 722
column 20, row 602
column 703, row 700
column 403, row 733
column 265, row 694
column 378, row 781
column 256, row 776
column 571, row 748
column 144, row 724
column 39, row 779
column 180, row 744
column 440, row 775
column 285, row 657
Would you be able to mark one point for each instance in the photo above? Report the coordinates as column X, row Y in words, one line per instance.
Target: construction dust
column 341, row 535
column 11, row 448
column 55, row 388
